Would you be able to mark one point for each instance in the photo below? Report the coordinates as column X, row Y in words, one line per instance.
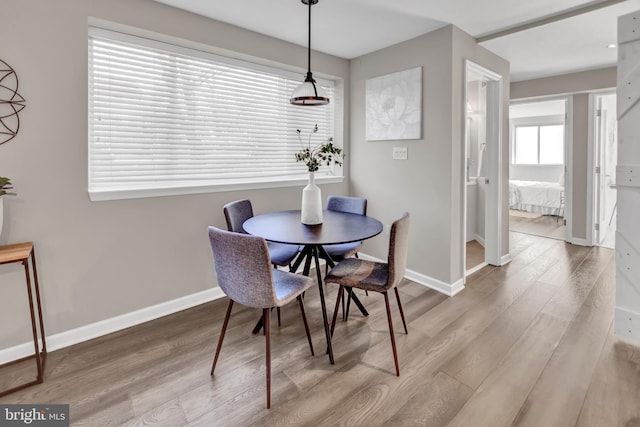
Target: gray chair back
column 243, row 268
column 354, row 205
column 236, row 213
column 398, row 250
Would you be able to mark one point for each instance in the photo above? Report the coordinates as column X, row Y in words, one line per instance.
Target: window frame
column 181, row 46
column 538, row 121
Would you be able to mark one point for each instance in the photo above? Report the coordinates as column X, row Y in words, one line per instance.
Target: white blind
column 163, row 116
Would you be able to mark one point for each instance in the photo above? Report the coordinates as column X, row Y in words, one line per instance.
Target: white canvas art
column 394, row 106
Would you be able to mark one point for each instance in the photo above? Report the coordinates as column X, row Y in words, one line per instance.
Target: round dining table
column 337, row 227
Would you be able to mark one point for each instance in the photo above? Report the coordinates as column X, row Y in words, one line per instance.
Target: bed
column 545, row 198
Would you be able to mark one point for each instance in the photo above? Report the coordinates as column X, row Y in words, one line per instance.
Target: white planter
column 311, row 203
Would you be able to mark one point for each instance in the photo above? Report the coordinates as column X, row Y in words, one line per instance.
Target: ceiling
column 558, row 36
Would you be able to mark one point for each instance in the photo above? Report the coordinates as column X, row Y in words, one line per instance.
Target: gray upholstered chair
column 246, row 276
column 236, row 213
column 377, row 276
column 338, row 252
column 354, row 205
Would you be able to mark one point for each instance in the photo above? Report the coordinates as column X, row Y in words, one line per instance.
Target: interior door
column 605, row 156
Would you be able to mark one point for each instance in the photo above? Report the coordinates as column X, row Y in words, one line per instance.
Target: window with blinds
column 166, row 119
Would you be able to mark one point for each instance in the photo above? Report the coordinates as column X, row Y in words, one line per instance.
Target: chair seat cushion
column 342, row 250
column 281, row 253
column 289, row 285
column 361, row 274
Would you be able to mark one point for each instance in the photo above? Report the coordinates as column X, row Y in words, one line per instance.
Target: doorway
column 604, row 171
column 537, row 168
column 482, row 173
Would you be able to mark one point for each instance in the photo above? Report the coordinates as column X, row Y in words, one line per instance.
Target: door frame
column 493, row 162
column 591, row 162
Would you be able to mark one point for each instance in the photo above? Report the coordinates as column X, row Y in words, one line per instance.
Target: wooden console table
column 20, row 252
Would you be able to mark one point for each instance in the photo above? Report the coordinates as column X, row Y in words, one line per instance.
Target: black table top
column 336, row 227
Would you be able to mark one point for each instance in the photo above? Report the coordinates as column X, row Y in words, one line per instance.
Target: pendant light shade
column 308, row 93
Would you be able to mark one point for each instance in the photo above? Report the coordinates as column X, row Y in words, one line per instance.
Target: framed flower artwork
column 394, row 106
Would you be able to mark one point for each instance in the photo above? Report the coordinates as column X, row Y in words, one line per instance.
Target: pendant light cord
column 309, row 44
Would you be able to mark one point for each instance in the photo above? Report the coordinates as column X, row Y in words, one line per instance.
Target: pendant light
column 308, row 94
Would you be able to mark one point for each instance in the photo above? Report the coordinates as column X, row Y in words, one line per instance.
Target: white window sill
column 194, row 188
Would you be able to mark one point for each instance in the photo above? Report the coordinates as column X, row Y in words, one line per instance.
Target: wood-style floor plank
column 529, row 343
column 560, row 391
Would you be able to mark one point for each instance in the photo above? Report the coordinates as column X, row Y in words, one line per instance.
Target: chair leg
column 393, row 339
column 266, row 314
column 306, row 325
column 345, row 313
column 335, row 310
column 278, row 309
column 404, row 323
column 222, row 332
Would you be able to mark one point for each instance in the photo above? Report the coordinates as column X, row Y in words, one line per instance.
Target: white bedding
column 538, row 197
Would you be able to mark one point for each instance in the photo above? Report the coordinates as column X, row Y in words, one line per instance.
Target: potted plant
column 314, row 156
column 5, row 186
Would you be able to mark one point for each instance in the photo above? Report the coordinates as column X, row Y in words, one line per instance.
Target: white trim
column 421, row 279
column 476, row 268
column 591, row 147
column 479, row 239
column 120, row 194
column 107, row 326
column 627, row 325
column 505, row 259
column 579, row 242
column 493, row 159
column 568, row 174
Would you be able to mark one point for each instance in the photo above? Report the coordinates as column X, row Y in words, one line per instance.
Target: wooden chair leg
column 335, row 310
column 393, row 339
column 306, row 325
column 349, row 297
column 266, row 314
column 401, row 311
column 222, row 332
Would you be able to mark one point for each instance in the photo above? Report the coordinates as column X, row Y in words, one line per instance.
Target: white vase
column 311, row 203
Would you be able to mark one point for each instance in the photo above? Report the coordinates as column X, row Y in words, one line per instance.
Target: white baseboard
column 579, row 242
column 430, row 282
column 505, row 259
column 479, row 239
column 627, row 325
column 107, row 326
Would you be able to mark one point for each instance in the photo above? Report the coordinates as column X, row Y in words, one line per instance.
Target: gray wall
column 577, row 86
column 428, row 184
column 103, row 259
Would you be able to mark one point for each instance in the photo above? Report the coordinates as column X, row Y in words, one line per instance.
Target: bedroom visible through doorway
column 537, row 135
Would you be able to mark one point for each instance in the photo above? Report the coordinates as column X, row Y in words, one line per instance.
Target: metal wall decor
column 11, row 103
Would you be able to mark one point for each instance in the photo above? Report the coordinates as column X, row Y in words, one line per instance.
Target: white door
column 605, row 161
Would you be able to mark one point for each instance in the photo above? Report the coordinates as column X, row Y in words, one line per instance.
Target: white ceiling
column 350, row 28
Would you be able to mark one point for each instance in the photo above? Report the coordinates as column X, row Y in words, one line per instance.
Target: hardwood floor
column 475, row 254
column 529, row 343
column 541, row 225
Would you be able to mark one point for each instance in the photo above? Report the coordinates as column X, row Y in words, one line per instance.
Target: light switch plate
column 400, row 153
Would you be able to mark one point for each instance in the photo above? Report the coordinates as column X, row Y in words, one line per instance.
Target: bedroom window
column 538, row 144
column 167, row 119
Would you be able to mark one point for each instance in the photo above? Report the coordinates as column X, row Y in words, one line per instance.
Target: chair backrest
column 354, row 205
column 243, row 268
column 398, row 250
column 236, row 213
